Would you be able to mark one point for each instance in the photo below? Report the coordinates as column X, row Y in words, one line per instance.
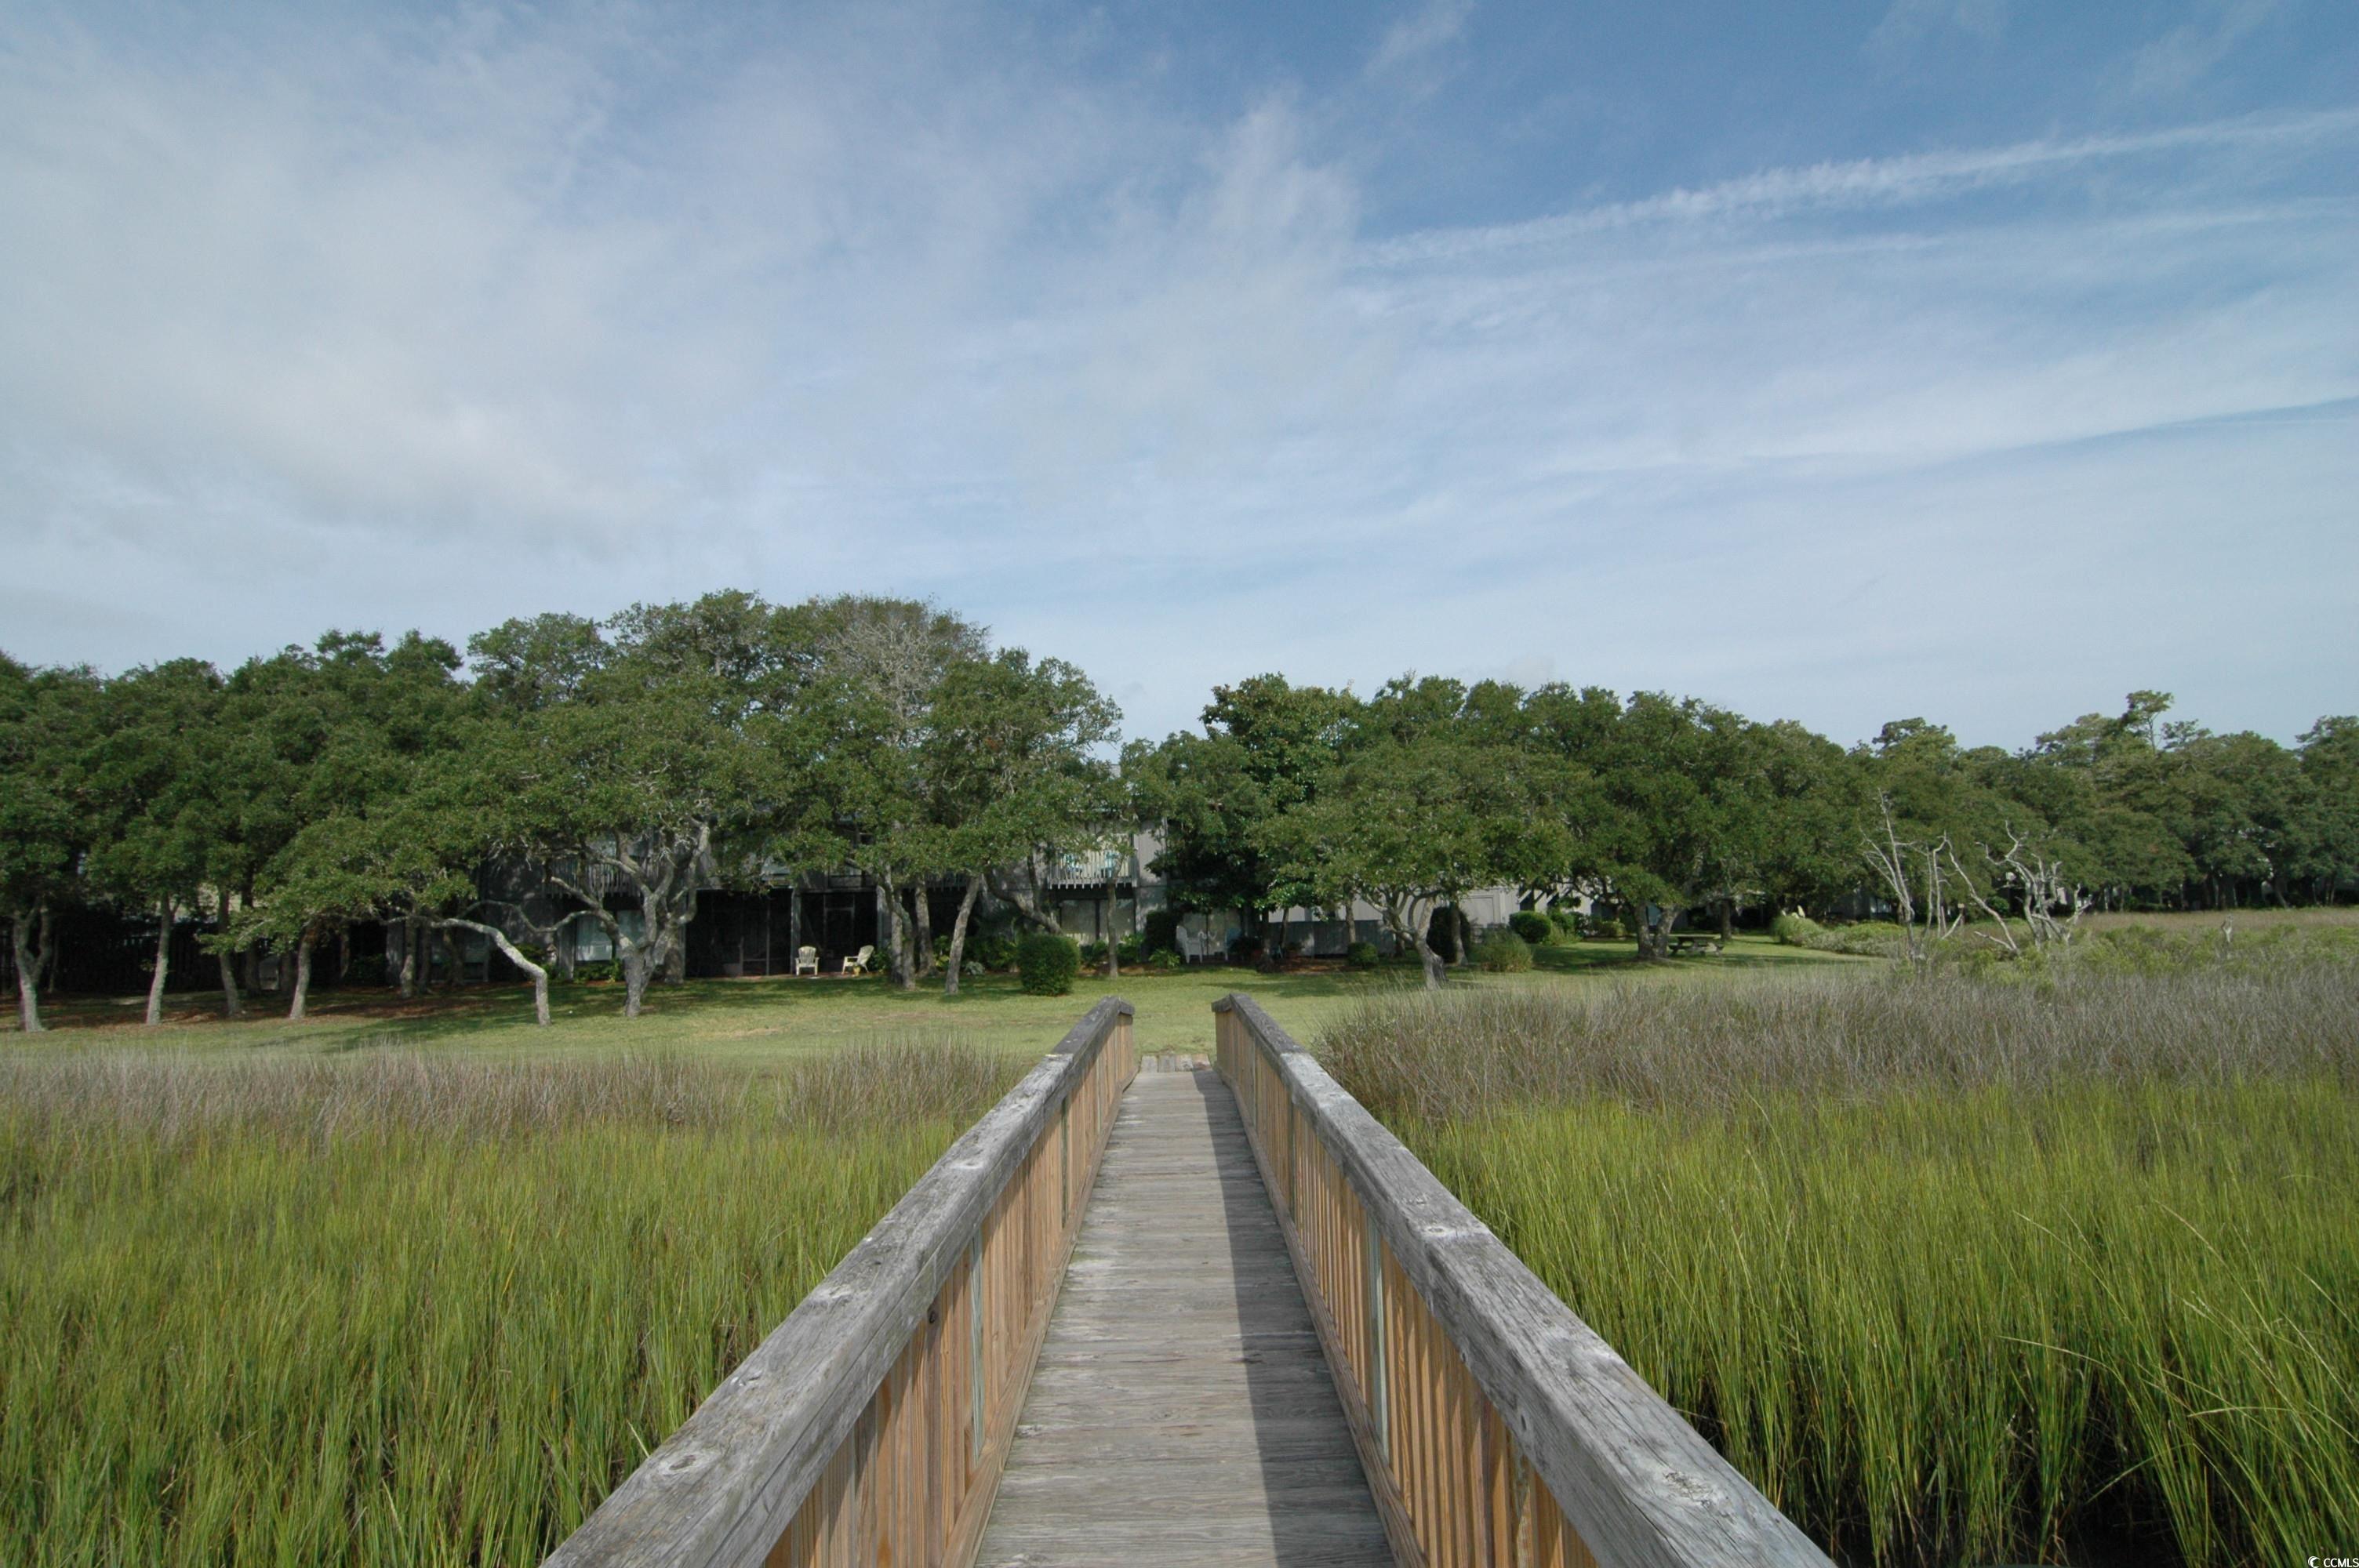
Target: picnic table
column 1693, row 942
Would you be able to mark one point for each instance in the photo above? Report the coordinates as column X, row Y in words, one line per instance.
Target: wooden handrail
column 871, row 1425
column 1494, row 1426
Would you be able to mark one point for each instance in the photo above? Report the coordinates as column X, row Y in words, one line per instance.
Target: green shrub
column 1362, row 956
column 604, row 969
column 1092, row 954
column 1567, row 921
column 1164, row 958
column 1504, row 953
column 1048, row 964
column 1604, row 928
column 1162, row 930
column 1132, row 949
column 1533, row 927
column 993, row 950
column 1868, row 939
column 2147, row 951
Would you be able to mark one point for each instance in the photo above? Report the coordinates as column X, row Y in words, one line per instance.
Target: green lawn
column 749, row 1020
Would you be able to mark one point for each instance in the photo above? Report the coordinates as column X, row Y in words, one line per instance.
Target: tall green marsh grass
column 1955, row 1272
column 401, row 1309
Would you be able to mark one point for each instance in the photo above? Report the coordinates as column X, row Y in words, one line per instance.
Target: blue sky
column 1965, row 358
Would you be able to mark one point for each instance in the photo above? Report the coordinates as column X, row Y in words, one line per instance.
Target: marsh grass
column 1953, row 1271
column 2245, row 941
column 397, row 1308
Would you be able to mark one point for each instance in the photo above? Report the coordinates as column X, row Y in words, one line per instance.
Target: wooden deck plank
column 1181, row 1412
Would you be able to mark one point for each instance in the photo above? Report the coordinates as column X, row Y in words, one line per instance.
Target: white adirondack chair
column 807, row 960
column 858, row 963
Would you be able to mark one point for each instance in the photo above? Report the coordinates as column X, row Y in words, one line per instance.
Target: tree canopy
column 612, row 769
column 615, row 768
column 1663, row 805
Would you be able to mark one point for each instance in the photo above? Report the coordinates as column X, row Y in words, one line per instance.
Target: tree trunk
column 516, row 956
column 163, row 964
column 1406, row 926
column 1654, row 941
column 1465, row 936
column 44, row 955
column 1438, row 935
column 233, row 1006
column 634, row 979
column 896, row 934
column 680, row 911
column 407, row 986
column 451, row 959
column 1026, row 896
column 1113, row 943
column 29, row 983
column 302, row 977
column 540, row 977
column 1436, row 972
column 231, row 1002
column 922, row 907
column 1727, row 919
column 957, row 934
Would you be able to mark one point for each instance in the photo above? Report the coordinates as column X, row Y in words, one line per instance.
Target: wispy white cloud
column 233, row 272
column 1414, row 40
column 1867, row 184
column 1909, row 25
column 2191, row 50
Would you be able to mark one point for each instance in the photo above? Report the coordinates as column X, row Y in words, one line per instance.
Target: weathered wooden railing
column 1495, row 1427
column 870, row 1427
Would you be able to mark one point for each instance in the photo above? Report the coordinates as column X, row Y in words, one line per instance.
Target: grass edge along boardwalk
column 395, row 1307
column 871, row 1424
column 1956, row 1270
column 1494, row 1426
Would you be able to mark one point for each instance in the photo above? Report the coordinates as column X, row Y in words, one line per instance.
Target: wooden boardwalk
column 1181, row 1412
